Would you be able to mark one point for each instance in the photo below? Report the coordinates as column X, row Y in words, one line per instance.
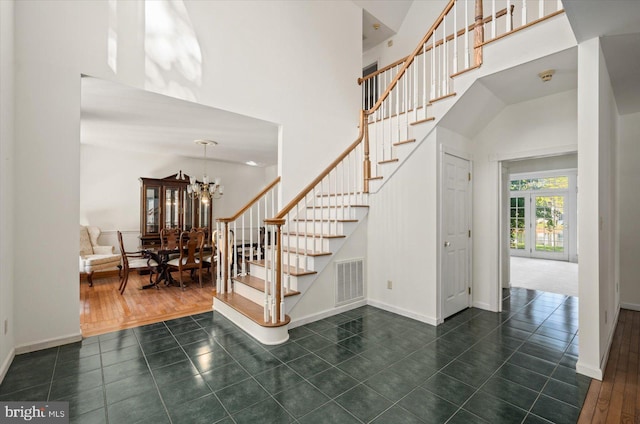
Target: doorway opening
column 540, row 211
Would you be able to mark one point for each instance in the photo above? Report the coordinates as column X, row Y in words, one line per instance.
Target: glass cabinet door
column 172, row 207
column 152, row 210
column 188, row 203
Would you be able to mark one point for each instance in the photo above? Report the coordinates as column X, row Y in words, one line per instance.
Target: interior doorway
column 540, row 222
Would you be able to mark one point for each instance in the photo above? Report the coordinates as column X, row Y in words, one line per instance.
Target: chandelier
column 205, row 190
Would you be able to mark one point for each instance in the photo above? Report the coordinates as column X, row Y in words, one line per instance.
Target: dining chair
column 210, row 260
column 169, row 241
column 191, row 245
column 133, row 260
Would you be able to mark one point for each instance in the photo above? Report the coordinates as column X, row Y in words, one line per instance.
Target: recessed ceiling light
column 251, row 163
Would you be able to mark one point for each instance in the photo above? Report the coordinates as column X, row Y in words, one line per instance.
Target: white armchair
column 94, row 257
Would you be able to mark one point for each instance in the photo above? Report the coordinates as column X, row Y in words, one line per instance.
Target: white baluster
column 455, row 38
column 540, row 8
column 433, row 71
column 559, row 5
column 493, row 19
column 445, row 73
column 508, row 15
column 424, row 80
column 524, row 13
column 466, row 34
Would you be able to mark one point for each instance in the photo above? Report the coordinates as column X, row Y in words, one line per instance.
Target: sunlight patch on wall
column 112, row 37
column 173, row 59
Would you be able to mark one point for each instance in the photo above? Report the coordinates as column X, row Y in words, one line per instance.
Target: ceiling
column 381, row 19
column 121, row 117
column 618, row 23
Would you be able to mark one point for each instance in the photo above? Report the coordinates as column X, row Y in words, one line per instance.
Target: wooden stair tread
column 249, row 309
column 325, row 220
column 382, row 162
column 302, row 233
column 339, row 206
column 400, row 143
column 353, row 193
column 374, row 178
column 291, row 270
column 446, row 96
column 423, row 121
column 258, row 284
column 305, row 252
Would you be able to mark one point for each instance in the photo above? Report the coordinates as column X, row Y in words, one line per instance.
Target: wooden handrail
column 449, row 37
column 411, row 58
column 283, row 213
column 250, row 202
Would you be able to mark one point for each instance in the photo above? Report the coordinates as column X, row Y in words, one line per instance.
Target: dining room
column 131, row 139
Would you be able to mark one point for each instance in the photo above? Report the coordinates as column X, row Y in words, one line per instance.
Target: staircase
column 267, row 270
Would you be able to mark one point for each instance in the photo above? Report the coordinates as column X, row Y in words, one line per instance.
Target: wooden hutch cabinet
column 165, row 203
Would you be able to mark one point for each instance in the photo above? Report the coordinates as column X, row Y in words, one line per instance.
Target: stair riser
column 318, row 227
column 250, row 293
column 335, row 213
column 315, row 244
column 341, row 200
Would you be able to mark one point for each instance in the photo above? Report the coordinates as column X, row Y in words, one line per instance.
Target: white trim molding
column 6, row 364
column 46, row 344
column 404, row 312
column 630, row 306
column 297, row 322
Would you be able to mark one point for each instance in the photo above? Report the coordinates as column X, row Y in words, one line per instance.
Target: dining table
column 162, row 256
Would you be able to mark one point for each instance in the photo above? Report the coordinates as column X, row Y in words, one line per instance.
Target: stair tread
column 338, row 206
column 305, row 251
column 374, row 178
column 249, row 309
column 258, row 284
column 325, row 220
column 314, row 235
column 423, row 120
column 382, row 162
column 291, row 270
column 400, row 143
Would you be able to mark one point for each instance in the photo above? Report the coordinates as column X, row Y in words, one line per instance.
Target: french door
column 537, row 225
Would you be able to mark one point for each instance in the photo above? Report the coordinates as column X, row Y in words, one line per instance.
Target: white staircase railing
column 453, row 45
column 241, row 237
column 394, row 98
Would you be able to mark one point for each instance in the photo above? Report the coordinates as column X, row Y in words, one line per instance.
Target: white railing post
column 508, row 16
column 466, row 34
column 493, row 19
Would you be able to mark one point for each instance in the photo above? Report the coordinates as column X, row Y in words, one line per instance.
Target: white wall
column 7, row 341
column 533, row 128
column 628, row 183
column 111, row 200
column 403, row 237
column 597, row 210
column 419, row 18
column 293, row 63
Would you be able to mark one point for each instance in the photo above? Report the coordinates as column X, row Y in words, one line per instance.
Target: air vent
column 349, row 281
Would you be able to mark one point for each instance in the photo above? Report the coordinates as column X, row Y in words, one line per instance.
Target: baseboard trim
column 297, row 322
column 482, row 305
column 630, row 306
column 4, row 368
column 46, row 344
column 404, row 312
column 589, row 371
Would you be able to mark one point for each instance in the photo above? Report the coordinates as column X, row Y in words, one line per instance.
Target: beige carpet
column 544, row 275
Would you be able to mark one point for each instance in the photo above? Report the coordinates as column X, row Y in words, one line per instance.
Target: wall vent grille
column 349, row 281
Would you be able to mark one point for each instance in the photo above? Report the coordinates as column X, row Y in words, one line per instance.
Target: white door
column 456, row 235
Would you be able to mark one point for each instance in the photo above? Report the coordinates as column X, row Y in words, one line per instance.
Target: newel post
column 366, row 172
column 225, row 259
column 479, row 34
column 278, row 298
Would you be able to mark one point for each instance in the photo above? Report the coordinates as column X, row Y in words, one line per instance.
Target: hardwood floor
column 616, row 399
column 103, row 309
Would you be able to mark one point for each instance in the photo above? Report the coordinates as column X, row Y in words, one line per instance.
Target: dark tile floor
column 365, row 365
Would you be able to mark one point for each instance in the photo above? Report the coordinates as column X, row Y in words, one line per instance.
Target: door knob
column 447, row 244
